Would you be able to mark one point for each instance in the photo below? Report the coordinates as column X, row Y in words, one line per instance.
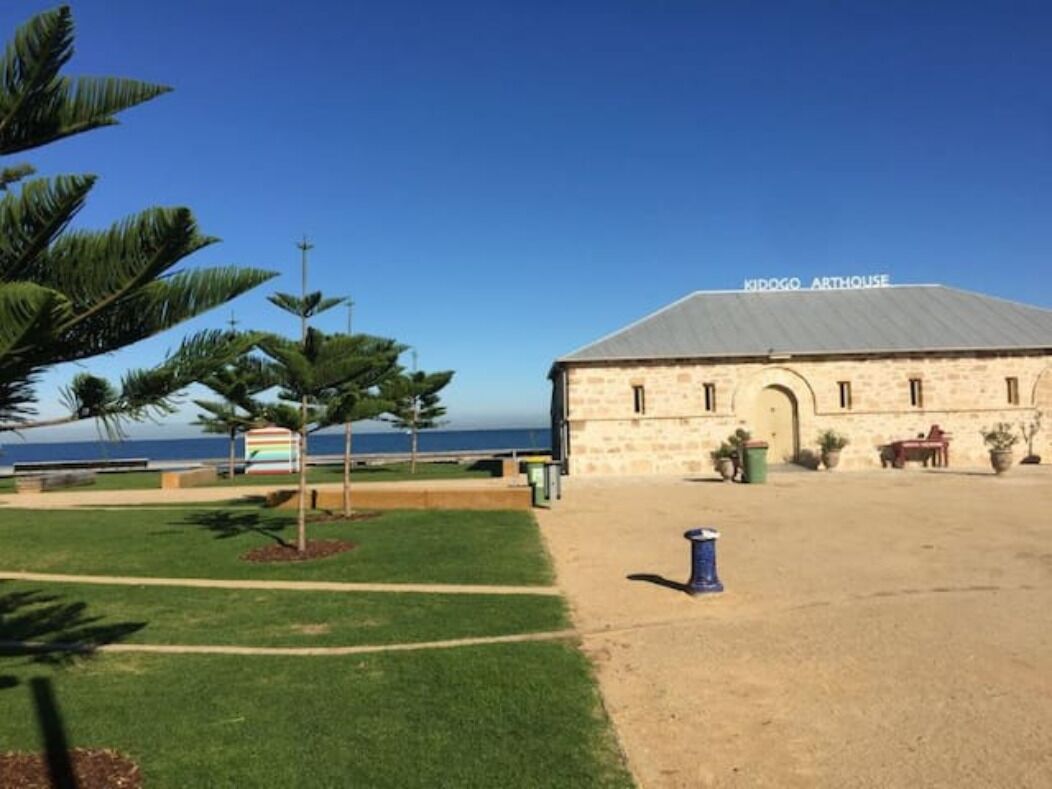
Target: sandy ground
column 86, row 497
column 889, row 628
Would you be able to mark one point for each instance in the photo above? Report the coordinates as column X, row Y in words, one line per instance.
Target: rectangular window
column 916, row 393
column 710, row 397
column 845, row 393
column 639, row 399
column 1013, row 390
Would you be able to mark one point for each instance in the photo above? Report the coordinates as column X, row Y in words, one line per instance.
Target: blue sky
column 496, row 184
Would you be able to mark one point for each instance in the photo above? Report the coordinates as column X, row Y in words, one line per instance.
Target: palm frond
column 27, row 313
column 14, row 174
column 31, row 219
column 38, row 105
column 155, row 307
column 97, row 268
column 304, row 306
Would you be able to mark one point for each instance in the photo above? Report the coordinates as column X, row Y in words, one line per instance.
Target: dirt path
column 878, row 629
column 293, row 586
column 225, row 649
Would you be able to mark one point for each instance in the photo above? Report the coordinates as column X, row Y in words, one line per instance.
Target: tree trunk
column 233, row 454
column 347, row 470
column 412, row 453
column 301, row 517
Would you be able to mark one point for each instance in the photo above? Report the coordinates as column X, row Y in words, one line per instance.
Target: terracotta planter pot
column 725, row 466
column 831, row 459
column 1001, row 460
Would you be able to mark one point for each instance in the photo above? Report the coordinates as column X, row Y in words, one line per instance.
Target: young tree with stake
column 414, row 404
column 360, row 398
column 238, row 384
column 308, row 371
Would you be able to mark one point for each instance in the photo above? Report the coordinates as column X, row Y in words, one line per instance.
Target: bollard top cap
column 702, row 533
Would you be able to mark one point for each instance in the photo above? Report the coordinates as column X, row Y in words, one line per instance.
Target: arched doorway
column 1043, row 405
column 1043, row 393
column 776, row 421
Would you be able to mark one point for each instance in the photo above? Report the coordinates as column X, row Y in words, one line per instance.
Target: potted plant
column 723, row 460
column 830, row 442
column 1029, row 433
column 737, row 441
column 1000, row 439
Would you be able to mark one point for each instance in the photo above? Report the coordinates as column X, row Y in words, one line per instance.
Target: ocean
column 216, row 447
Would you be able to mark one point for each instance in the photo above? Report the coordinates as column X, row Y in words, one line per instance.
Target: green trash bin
column 535, row 476
column 755, row 462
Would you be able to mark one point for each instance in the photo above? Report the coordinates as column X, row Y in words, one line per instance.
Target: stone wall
column 961, row 393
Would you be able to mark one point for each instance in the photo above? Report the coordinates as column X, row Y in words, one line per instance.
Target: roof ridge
column 918, row 318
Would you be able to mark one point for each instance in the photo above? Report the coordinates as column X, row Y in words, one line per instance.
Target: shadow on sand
column 659, row 580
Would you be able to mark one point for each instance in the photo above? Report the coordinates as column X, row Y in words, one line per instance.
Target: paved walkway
column 225, row 649
column 878, row 629
column 292, row 586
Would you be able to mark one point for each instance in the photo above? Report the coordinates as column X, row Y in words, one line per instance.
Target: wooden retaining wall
column 191, row 478
column 410, row 499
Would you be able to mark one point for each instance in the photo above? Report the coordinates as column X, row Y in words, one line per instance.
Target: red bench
column 935, row 447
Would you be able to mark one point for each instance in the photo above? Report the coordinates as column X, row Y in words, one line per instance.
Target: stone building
column 876, row 364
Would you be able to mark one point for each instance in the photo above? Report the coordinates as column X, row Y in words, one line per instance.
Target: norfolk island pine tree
column 360, row 398
column 414, row 403
column 238, row 383
column 308, row 371
column 67, row 296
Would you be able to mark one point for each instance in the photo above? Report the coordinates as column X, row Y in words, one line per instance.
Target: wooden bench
column 63, row 479
column 934, row 448
column 116, row 464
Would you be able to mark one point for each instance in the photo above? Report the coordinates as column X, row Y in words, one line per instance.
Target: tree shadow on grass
column 42, row 628
column 228, row 524
column 38, row 628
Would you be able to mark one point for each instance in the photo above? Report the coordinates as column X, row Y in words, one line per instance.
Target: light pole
column 347, row 437
column 304, row 247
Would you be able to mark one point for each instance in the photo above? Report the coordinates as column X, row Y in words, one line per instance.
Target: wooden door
column 775, row 423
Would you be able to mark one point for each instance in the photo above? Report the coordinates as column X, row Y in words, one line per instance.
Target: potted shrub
column 830, row 442
column 1000, row 439
column 737, row 441
column 723, row 460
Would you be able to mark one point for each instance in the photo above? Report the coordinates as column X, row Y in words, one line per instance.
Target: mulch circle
column 316, row 549
column 335, row 517
column 93, row 768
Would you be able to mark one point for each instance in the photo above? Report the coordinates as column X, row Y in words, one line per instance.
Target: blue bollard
column 703, row 578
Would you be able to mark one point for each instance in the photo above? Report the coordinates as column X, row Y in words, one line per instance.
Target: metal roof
column 896, row 319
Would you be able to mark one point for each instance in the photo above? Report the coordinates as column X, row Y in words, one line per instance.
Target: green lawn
column 172, row 615
column 513, row 715
column 399, row 546
column 516, row 715
column 387, row 472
